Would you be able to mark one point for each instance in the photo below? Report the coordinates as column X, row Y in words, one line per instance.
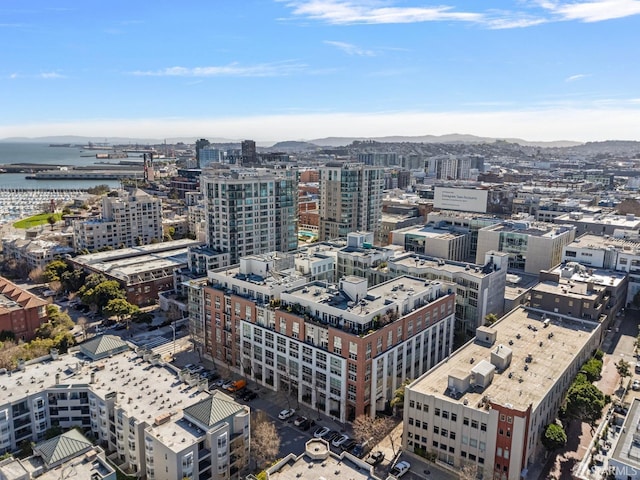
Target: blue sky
column 301, row 69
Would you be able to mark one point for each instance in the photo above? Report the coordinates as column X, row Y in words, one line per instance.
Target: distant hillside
column 293, row 146
column 451, row 138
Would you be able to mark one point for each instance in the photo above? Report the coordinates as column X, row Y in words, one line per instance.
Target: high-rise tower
column 350, row 199
column 250, row 211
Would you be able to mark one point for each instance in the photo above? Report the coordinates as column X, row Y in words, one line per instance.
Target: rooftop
column 627, row 448
column 625, row 221
column 112, row 255
column 539, row 355
column 142, row 390
column 318, row 462
column 525, row 227
column 604, row 242
column 415, row 261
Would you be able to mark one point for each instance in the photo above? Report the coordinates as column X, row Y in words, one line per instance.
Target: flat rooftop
column 536, row 229
column 418, row 262
column 600, row 241
column 624, row 221
column 319, row 462
column 112, row 255
column 143, row 391
column 627, row 450
column 381, row 297
column 552, row 349
column 430, row 231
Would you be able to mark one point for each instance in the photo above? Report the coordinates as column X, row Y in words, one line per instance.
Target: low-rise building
column 318, row 461
column 449, row 243
column 624, row 463
column 599, row 223
column 489, row 403
column 142, row 271
column 531, row 246
column 21, row 312
column 36, row 253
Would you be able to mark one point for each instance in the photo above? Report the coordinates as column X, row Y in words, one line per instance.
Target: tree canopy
column 554, row 437
column 98, row 292
column 119, row 307
column 584, row 402
column 54, row 270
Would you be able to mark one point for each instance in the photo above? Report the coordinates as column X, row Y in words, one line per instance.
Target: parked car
column 400, row 468
column 331, row 435
column 249, row 395
column 348, row 445
column 299, row 420
column 219, row 382
column 321, row 432
column 307, row 424
column 360, row 449
column 336, row 442
column 287, row 414
column 375, row 458
column 636, row 385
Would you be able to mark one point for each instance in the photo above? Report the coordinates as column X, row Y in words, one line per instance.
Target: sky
column 274, row 70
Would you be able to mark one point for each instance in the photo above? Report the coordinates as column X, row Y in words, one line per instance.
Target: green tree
column 54, row 270
column 73, row 280
column 100, row 295
column 119, row 307
column 51, row 219
column 490, row 319
column 592, row 369
column 624, row 370
column 554, row 437
column 398, row 396
column 584, row 402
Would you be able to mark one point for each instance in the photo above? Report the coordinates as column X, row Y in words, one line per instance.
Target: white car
column 400, row 468
column 339, row 440
column 635, row 385
column 286, row 414
column 321, row 432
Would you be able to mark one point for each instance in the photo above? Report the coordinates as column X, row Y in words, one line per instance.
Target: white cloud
column 576, row 77
column 43, row 75
column 542, row 124
column 523, row 14
column 350, row 49
column 594, row 11
column 349, row 12
column 277, row 69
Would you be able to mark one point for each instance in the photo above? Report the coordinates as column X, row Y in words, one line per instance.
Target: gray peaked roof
column 63, row 447
column 103, row 346
column 213, row 410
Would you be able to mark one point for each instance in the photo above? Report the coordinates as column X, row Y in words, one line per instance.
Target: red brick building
column 21, row 312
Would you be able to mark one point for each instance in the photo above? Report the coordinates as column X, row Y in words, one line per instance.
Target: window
column 410, row 420
column 463, row 454
column 445, row 414
column 506, row 454
column 437, row 412
column 509, row 419
column 454, row 417
column 444, row 432
column 508, row 433
column 436, row 430
column 465, row 421
column 474, row 424
column 412, row 404
column 483, row 427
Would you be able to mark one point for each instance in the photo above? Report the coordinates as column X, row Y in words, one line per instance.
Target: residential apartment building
column 250, row 211
column 151, row 424
column 128, row 219
column 480, row 288
column 531, row 246
column 489, row 403
column 342, row 349
column 608, row 253
column 350, row 199
column 624, row 460
column 21, row 312
column 463, row 221
column 70, row 454
column 35, row 253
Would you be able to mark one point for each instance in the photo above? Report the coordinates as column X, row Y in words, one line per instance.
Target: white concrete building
column 128, row 220
column 152, row 424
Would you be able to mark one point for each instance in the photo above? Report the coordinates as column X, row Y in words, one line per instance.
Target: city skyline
column 303, row 69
